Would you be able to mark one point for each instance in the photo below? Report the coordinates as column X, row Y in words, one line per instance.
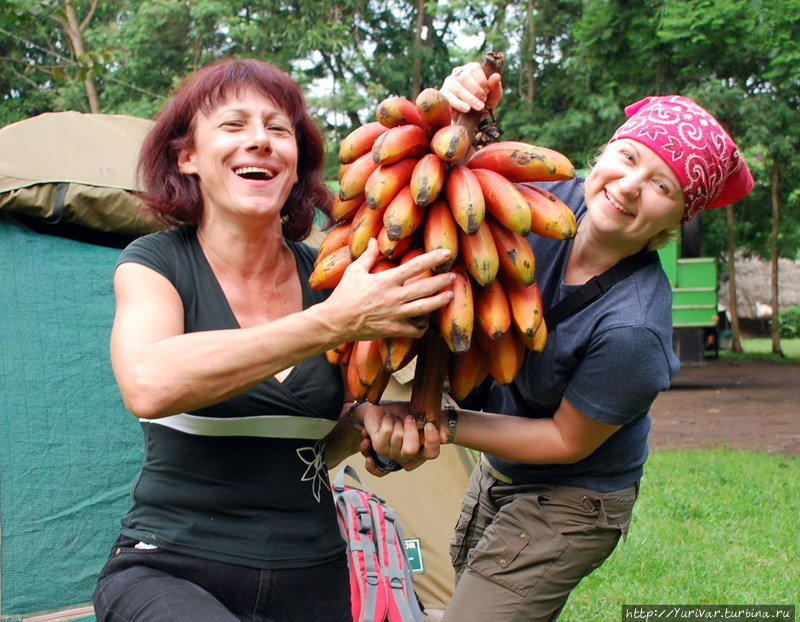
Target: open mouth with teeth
column 616, row 204
column 255, row 172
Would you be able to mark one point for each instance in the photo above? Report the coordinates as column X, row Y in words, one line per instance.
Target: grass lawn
column 711, row 527
column 790, row 347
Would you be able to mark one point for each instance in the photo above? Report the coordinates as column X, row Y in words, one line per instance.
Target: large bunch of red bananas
column 407, row 179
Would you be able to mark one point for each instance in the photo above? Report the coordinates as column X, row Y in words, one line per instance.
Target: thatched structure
column 753, row 289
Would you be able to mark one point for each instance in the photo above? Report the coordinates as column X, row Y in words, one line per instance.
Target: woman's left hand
column 392, row 432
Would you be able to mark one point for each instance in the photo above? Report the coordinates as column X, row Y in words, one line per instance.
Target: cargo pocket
column 465, row 525
column 519, row 547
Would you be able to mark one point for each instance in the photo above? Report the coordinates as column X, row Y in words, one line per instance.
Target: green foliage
column 710, row 527
column 571, row 67
column 789, row 322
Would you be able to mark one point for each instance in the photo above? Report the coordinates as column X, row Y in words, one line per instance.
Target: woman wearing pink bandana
column 557, row 481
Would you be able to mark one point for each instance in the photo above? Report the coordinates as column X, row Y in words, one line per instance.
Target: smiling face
column 244, row 155
column 632, row 194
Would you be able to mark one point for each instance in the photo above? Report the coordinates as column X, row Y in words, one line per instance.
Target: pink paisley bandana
column 700, row 152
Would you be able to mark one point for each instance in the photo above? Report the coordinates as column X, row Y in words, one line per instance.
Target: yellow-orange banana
column 366, row 376
column 393, row 249
column 451, row 142
column 355, row 177
column 434, row 108
column 550, row 216
column 402, row 216
column 345, row 210
column 403, row 141
column 504, row 201
column 540, row 338
column 457, row 318
column 387, row 180
column 517, row 260
column 526, row 307
column 503, row 357
column 420, row 321
column 478, row 254
column 427, row 179
column 465, row 372
column 367, row 223
column 396, row 111
column 441, row 231
column 336, row 238
column 328, row 272
column 465, row 198
column 359, row 141
column 340, row 355
column 518, row 161
column 492, row 309
column 397, row 352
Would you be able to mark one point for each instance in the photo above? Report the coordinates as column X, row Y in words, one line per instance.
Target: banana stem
column 492, row 63
column 429, row 376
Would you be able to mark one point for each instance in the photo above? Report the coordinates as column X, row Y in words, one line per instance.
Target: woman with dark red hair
column 218, row 348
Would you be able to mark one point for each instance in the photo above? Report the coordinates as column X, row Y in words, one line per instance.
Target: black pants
column 154, row 585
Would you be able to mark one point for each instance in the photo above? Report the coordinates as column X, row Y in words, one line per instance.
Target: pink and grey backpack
column 381, row 584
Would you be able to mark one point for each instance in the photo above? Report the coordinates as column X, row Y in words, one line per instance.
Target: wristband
column 452, row 422
column 349, row 416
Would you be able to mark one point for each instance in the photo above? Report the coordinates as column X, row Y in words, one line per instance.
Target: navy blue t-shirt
column 610, row 360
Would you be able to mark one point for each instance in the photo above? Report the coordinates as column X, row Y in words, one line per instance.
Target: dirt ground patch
column 748, row 404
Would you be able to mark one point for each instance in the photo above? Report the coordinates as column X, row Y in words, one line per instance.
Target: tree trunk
column 526, row 79
column 736, row 334
column 774, row 255
column 416, row 50
column 75, row 33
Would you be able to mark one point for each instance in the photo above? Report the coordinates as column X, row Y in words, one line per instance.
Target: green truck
column 695, row 317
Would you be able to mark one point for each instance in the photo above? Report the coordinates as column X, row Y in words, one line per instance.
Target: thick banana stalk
column 550, row 216
column 434, row 108
column 441, row 231
column 402, row 216
column 328, row 272
column 387, row 180
column 478, row 254
column 451, row 143
column 504, row 201
column 518, row 162
column 465, row 198
column 360, row 141
column 403, row 141
column 517, row 260
column 492, row 310
column 429, row 376
column 427, row 179
column 457, row 317
column 397, row 111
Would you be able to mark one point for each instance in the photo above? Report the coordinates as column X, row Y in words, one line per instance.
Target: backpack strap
column 597, row 286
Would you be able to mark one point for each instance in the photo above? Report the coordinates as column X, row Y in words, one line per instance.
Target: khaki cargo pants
column 519, row 550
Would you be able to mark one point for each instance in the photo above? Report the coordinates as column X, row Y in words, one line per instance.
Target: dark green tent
column 69, row 449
